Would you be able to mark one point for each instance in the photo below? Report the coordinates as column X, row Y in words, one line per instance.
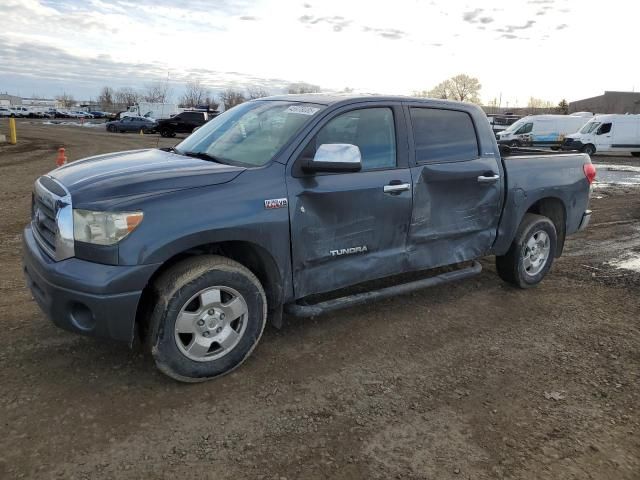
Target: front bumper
column 573, row 145
column 85, row 297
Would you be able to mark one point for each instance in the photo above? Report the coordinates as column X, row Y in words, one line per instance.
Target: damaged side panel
column 346, row 230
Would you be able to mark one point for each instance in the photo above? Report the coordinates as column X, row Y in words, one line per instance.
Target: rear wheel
column 589, row 149
column 635, row 154
column 209, row 316
column 531, row 254
column 165, row 132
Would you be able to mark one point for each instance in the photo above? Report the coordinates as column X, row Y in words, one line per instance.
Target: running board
column 316, row 309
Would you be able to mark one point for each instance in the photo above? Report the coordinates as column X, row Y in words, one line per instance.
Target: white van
column 607, row 133
column 542, row 130
column 156, row 111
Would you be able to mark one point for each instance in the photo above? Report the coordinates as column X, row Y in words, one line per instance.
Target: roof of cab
column 334, row 98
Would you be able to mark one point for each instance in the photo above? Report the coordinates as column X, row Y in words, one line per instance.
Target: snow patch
column 76, row 124
column 631, row 262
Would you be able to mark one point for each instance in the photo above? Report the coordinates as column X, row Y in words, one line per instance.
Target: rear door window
column 443, row 135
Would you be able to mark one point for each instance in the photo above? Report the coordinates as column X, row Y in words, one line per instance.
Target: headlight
column 104, row 228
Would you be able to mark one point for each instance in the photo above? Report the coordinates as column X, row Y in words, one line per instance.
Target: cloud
column 474, row 16
column 337, row 22
column 388, row 33
column 248, row 17
column 471, row 16
column 513, row 28
column 562, row 27
column 44, row 69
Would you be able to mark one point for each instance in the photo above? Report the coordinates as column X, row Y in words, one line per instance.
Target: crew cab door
column 457, row 190
column 348, row 228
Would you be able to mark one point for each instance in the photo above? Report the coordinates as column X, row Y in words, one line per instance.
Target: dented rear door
column 348, row 228
column 457, row 189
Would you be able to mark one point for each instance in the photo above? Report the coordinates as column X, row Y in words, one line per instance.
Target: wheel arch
column 251, row 255
column 554, row 209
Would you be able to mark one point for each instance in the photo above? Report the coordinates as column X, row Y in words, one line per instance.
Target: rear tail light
column 589, row 172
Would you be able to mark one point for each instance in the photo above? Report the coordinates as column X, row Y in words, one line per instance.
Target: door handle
column 397, row 187
column 486, row 179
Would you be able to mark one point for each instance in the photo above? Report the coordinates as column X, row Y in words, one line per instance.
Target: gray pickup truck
column 279, row 203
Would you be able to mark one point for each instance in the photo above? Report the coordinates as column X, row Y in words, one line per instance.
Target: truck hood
column 138, row 172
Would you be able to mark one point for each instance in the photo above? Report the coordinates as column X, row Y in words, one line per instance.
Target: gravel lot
column 472, row 380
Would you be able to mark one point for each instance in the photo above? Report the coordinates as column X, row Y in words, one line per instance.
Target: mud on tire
column 512, row 267
column 175, row 291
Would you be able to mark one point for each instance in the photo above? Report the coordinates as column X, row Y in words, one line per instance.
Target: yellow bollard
column 13, row 137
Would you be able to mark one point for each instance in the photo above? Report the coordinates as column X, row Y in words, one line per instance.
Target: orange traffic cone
column 62, row 158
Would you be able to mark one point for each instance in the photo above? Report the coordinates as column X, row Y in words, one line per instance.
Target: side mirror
column 335, row 157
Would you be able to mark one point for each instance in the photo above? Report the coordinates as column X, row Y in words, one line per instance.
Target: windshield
column 590, row 127
column 251, row 133
column 515, row 126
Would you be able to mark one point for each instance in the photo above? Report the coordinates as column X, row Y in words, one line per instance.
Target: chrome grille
column 45, row 222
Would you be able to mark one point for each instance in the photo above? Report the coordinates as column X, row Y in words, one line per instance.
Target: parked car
column 5, row 112
column 607, row 133
column 185, row 122
column 157, row 111
column 98, row 114
column 18, row 111
column 278, row 201
column 542, row 130
column 132, row 124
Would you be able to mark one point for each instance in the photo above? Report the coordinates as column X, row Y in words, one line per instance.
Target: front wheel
column 514, row 143
column 635, row 154
column 531, row 254
column 111, row 128
column 165, row 132
column 209, row 316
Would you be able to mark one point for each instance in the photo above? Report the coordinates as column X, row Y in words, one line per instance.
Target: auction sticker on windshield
column 301, row 109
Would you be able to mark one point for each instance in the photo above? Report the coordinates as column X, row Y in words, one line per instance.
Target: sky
column 549, row 49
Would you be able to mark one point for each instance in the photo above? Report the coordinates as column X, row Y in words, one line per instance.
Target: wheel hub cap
column 211, row 323
column 536, row 253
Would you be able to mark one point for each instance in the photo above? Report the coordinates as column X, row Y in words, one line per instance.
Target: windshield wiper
column 171, row 149
column 205, row 156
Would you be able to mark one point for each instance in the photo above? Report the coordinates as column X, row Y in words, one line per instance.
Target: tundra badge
column 276, row 203
column 348, row 251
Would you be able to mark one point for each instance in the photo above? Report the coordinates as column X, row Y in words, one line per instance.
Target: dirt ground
column 473, row 380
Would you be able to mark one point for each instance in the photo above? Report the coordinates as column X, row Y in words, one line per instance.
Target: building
column 610, row 102
column 6, row 100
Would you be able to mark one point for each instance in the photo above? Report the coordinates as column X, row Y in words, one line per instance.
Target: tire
column 192, row 298
column 512, row 267
column 589, row 149
column 514, row 143
column 165, row 132
column 111, row 128
column 635, row 154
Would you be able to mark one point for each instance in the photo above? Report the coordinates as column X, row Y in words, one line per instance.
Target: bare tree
column 256, row 92
column 461, row 87
column 538, row 103
column 211, row 102
column 66, row 100
column 195, row 94
column 231, row 97
column 156, row 92
column 303, row 87
column 126, row 96
column 106, row 98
